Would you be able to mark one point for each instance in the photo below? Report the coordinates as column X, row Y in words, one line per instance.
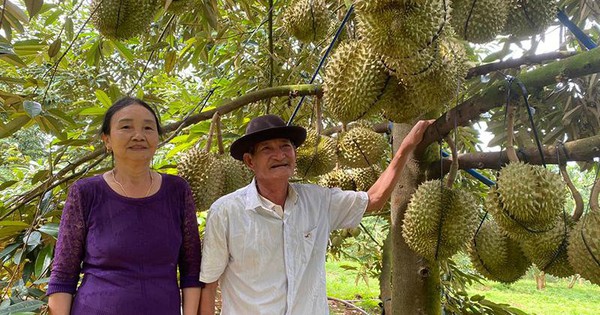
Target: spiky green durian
column 479, row 21
column 361, row 147
column 365, row 177
column 180, row 6
column 495, row 256
column 203, row 172
column 439, row 221
column 354, row 78
column 375, row 5
column 123, row 19
column 529, row 199
column 548, row 250
column 316, row 156
column 408, row 99
column 529, row 17
column 405, row 35
column 584, row 247
column 235, row 173
column 337, row 178
column 307, row 20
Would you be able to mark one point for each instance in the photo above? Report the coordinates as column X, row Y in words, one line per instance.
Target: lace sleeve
column 190, row 255
column 70, row 245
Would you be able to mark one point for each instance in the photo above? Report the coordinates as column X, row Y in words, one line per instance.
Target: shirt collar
column 253, row 197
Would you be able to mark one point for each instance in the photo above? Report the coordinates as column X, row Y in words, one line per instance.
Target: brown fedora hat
column 263, row 128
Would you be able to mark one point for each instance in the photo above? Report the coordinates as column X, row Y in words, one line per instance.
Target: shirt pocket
column 308, row 243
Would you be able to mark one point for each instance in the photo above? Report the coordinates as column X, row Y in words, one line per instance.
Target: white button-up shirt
column 272, row 264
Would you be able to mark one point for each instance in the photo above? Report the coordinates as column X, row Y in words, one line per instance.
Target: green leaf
column 69, row 28
column 25, row 306
column 43, row 260
column 13, row 125
column 103, row 98
column 34, row 239
column 45, row 203
column 170, row 61
column 9, row 249
column 13, row 60
column 32, row 108
column 93, row 111
column 7, row 184
column 124, row 50
column 50, row 229
column 33, row 7
column 54, row 48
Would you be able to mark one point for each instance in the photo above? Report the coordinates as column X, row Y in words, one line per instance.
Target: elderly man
column 266, row 242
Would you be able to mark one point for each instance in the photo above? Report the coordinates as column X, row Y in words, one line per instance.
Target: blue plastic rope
column 579, row 34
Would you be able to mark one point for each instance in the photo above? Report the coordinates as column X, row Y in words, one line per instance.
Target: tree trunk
column 385, row 277
column 540, row 280
column 415, row 282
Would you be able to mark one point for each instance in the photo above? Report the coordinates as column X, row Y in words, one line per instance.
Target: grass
column 556, row 298
column 342, row 284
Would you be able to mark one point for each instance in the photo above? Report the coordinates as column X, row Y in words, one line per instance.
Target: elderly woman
column 127, row 230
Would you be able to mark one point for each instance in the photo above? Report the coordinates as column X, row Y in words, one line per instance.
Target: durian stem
column 594, row 195
column 211, row 132
column 219, row 134
column 574, row 192
column 510, row 129
column 319, row 125
column 454, row 166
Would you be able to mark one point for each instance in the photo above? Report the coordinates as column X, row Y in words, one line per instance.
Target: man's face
column 272, row 160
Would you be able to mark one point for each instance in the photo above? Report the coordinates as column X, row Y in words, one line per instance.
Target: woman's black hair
column 122, row 103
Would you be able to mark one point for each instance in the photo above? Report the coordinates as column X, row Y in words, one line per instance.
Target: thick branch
column 578, row 150
column 284, row 90
column 514, row 63
column 494, row 96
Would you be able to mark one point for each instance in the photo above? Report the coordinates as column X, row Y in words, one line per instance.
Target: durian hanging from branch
column 307, row 20
column 584, row 242
column 212, row 175
column 123, row 19
column 528, row 199
column 440, row 220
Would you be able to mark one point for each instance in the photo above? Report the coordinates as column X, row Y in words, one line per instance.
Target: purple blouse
column 128, row 249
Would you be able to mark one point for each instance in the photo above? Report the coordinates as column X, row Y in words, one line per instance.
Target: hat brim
column 243, row 145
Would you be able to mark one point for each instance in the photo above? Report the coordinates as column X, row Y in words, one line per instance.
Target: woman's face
column 133, row 135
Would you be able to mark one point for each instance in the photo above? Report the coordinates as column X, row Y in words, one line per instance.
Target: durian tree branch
column 99, row 154
column 582, row 150
column 494, row 96
column 515, row 63
column 252, row 97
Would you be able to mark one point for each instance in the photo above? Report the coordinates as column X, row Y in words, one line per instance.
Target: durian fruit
column 584, row 247
column 405, row 35
column 548, row 250
column 235, row 173
column 307, row 20
column 375, row 5
column 203, row 172
column 123, row 19
column 365, row 177
column 354, row 79
column 529, row 199
column 180, row 6
column 338, row 178
column 410, row 98
column 361, row 147
column 479, row 21
column 529, row 17
column 316, row 156
column 438, row 213
column 495, row 256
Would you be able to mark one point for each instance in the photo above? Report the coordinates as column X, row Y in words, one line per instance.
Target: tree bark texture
column 415, row 282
